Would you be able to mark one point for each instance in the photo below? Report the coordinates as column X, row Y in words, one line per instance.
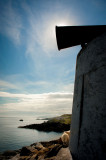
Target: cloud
column 36, row 30
column 4, row 85
column 50, row 95
column 10, row 22
column 46, row 102
column 14, row 83
column 21, row 84
column 41, row 29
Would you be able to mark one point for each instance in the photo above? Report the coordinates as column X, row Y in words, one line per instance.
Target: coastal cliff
column 56, row 124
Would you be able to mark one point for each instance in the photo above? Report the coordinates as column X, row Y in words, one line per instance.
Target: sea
column 13, row 138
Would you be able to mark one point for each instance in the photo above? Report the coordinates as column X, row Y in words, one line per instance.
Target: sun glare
column 62, row 24
column 57, row 23
column 49, row 34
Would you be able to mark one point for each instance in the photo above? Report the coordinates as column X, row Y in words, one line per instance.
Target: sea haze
column 12, row 137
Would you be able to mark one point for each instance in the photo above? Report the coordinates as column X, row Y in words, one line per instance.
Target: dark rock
column 53, row 151
column 53, row 126
column 9, row 153
column 49, row 143
column 21, row 120
column 3, row 157
column 27, row 151
column 39, row 146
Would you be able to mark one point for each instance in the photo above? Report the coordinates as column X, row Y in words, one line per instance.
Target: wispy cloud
column 4, row 85
column 21, row 86
column 27, row 86
column 38, row 30
column 42, row 28
column 10, row 22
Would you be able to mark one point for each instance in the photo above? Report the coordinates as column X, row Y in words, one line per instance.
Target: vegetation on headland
column 64, row 119
column 56, row 124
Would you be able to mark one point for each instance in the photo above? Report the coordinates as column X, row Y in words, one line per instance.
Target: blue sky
column 33, row 73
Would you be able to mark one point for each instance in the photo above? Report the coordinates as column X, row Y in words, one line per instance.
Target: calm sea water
column 12, row 137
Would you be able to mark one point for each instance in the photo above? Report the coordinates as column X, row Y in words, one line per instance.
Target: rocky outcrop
column 21, row 120
column 48, row 126
column 52, row 150
column 9, row 154
column 56, row 124
column 65, row 138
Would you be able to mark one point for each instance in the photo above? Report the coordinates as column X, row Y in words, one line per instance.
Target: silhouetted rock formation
column 56, row 124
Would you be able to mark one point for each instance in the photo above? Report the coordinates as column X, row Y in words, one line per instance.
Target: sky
column 36, row 78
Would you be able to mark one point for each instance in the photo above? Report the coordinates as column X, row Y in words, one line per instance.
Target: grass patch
column 64, row 119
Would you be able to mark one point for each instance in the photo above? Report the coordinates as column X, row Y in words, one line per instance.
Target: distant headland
column 56, row 124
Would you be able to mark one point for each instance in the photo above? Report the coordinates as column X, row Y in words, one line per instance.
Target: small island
column 21, row 120
column 56, row 124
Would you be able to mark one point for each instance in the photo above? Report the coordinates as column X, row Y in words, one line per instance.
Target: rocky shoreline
column 56, row 124
column 52, row 150
column 47, row 127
